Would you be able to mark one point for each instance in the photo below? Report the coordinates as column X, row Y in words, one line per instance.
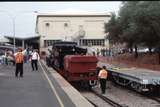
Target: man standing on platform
column 34, row 59
column 19, row 62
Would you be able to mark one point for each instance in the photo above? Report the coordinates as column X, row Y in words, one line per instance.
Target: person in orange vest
column 19, row 62
column 102, row 75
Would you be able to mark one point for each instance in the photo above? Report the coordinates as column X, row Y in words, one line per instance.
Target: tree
column 113, row 28
column 146, row 18
column 138, row 24
column 130, row 32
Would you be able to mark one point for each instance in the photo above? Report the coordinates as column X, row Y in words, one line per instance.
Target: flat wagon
column 141, row 80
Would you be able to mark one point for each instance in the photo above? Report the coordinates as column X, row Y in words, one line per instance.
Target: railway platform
column 42, row 88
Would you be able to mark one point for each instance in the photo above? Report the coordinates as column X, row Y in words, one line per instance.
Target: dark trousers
column 103, row 85
column 19, row 68
column 6, row 61
column 34, row 64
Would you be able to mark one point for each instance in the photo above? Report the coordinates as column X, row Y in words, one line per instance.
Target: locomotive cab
column 72, row 63
column 61, row 49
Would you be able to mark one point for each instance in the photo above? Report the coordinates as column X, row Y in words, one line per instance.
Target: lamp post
column 14, row 41
column 13, row 22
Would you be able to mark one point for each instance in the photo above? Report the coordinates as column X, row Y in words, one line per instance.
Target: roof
column 3, row 39
column 22, row 38
column 75, row 12
column 73, row 15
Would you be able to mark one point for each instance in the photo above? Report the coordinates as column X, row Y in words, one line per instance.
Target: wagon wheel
column 121, row 81
column 136, row 86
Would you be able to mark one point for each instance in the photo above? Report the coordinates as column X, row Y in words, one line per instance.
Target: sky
column 24, row 16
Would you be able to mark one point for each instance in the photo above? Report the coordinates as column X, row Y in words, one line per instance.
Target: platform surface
column 33, row 90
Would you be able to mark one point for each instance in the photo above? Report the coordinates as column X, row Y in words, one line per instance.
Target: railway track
column 149, row 96
column 115, row 104
column 155, row 98
column 108, row 100
column 100, row 100
column 95, row 105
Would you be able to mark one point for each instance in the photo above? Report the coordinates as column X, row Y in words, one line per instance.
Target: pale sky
column 25, row 18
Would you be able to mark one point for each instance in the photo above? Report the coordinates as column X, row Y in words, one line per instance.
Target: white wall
column 93, row 26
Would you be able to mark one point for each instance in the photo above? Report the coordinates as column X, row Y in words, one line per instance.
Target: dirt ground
column 144, row 60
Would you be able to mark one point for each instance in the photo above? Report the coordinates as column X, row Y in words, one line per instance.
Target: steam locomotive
column 73, row 64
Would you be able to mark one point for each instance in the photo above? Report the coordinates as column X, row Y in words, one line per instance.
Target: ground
column 145, row 60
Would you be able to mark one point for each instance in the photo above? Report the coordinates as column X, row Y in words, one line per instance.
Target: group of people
column 19, row 60
column 34, row 57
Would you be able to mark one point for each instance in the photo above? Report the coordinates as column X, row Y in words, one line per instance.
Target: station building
column 85, row 28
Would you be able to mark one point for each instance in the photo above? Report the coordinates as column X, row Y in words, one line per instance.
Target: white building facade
column 85, row 29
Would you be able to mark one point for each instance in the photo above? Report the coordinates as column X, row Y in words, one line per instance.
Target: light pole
column 14, row 41
column 13, row 22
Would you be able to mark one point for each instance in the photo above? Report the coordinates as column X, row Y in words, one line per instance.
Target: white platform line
column 52, row 87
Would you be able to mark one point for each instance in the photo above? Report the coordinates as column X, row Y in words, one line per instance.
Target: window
column 47, row 24
column 65, row 24
column 92, row 42
column 49, row 42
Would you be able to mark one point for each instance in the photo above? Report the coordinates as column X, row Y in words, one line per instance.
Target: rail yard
column 118, row 96
column 126, row 87
column 80, row 54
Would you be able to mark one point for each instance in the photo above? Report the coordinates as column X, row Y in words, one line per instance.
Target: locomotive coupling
column 92, row 82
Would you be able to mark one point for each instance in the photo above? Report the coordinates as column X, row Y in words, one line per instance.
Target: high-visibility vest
column 19, row 57
column 103, row 74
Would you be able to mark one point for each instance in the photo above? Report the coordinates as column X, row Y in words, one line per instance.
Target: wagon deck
column 142, row 76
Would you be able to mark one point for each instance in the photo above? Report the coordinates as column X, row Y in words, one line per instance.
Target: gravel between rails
column 126, row 97
column 96, row 100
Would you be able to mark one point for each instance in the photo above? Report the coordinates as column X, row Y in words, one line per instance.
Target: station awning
column 23, row 38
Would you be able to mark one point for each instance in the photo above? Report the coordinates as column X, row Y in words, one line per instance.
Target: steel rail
column 109, row 101
column 157, row 99
column 95, row 105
